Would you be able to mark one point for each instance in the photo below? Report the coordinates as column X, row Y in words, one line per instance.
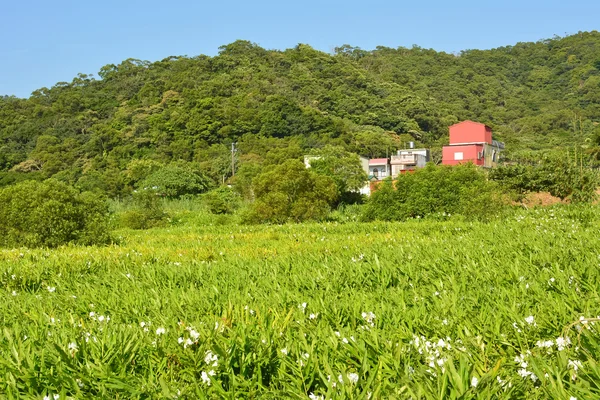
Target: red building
column 471, row 142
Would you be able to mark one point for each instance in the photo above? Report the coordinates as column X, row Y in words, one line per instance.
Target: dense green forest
column 98, row 133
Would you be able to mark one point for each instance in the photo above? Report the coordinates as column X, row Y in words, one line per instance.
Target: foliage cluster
column 448, row 190
column 85, row 132
column 559, row 174
column 342, row 166
column 291, row 192
column 50, row 214
column 173, row 181
column 222, row 200
column 145, row 210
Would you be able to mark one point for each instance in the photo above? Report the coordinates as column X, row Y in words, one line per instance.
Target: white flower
column 524, row 373
column 73, row 346
column 51, row 289
column 142, row 324
column 211, row 359
column 100, row 318
column 284, row 351
column 369, row 317
column 561, row 343
column 530, row 320
column 313, row 316
column 14, row 293
column 160, row 331
column 302, row 307
column 306, row 355
column 345, row 340
column 353, row 377
column 194, row 334
column 545, row 344
column 313, row 396
column 575, row 364
column 205, row 378
column 572, row 398
column 474, row 381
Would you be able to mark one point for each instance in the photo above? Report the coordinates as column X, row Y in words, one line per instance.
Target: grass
column 422, row 309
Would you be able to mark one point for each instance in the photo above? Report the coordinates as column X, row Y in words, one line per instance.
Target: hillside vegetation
column 536, row 96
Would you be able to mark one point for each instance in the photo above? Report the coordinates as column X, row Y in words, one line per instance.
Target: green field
column 421, row 309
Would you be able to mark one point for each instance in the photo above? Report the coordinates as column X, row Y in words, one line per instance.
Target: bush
column 222, row 201
column 173, row 181
column 462, row 189
column 342, row 166
column 557, row 174
column 147, row 211
column 49, row 214
column 291, row 192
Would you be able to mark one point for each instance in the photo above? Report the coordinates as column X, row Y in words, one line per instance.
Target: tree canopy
column 535, row 96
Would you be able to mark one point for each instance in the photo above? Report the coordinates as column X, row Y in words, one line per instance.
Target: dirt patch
column 540, row 199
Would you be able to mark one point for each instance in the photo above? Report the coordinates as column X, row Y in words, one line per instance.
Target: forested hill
column 534, row 95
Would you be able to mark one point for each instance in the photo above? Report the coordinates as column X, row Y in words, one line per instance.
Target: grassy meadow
column 207, row 308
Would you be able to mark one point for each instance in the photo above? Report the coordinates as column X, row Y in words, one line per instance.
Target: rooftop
column 378, row 161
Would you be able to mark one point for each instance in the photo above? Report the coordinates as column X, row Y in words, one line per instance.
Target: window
column 458, row 156
column 376, row 173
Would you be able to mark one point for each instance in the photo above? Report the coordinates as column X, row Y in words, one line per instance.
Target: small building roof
column 378, row 161
column 468, row 121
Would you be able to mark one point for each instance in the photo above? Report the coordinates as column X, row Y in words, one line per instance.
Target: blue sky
column 45, row 42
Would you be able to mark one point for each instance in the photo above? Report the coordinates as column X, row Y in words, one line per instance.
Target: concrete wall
column 470, row 132
column 470, row 153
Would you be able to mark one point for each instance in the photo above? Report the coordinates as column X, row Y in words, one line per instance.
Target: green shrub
column 222, row 200
column 557, row 174
column 147, row 211
column 340, row 165
column 51, row 213
column 462, row 189
column 173, row 181
column 291, row 192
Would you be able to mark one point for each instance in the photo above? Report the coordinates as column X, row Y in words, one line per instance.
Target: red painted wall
column 469, row 154
column 470, row 132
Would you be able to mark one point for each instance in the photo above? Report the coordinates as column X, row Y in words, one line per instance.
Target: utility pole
column 233, row 150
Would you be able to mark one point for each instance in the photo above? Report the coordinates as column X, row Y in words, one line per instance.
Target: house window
column 376, row 173
column 458, row 155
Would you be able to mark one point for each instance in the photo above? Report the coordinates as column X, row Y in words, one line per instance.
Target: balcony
column 404, row 159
